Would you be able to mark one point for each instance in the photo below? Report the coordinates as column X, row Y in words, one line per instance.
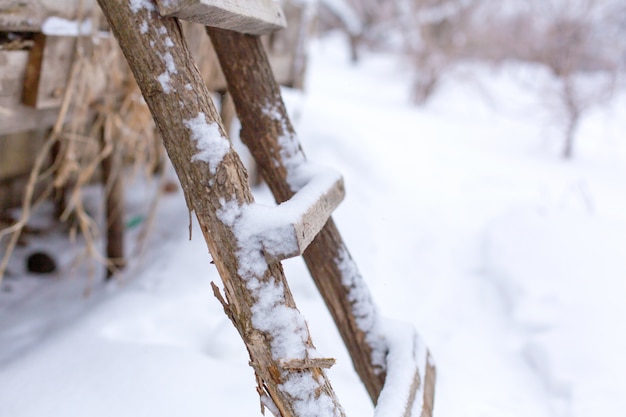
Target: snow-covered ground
column 462, row 217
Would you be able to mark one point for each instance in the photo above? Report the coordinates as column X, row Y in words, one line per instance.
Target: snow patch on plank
column 211, row 144
column 285, row 231
column 137, row 5
column 170, row 66
column 168, row 59
column 164, row 79
column 57, row 26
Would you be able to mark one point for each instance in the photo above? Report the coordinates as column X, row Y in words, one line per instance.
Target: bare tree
column 577, row 40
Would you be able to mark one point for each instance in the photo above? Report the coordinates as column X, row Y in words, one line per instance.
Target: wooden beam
column 245, row 16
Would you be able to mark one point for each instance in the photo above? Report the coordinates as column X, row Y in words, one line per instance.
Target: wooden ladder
column 247, row 241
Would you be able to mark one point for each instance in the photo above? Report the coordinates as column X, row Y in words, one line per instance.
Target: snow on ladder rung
column 256, row 17
column 294, row 224
column 286, row 230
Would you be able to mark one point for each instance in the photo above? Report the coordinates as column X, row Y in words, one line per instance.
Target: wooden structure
column 36, row 65
column 35, row 69
column 395, row 366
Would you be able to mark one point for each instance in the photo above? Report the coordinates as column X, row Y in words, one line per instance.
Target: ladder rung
column 252, row 17
column 286, row 230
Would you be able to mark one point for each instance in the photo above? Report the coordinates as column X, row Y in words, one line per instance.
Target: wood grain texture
column 250, row 82
column 145, row 38
column 254, row 17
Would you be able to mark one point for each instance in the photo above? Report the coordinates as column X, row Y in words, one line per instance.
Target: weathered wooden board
column 18, row 152
column 47, row 72
column 20, row 118
column 245, row 16
column 12, row 68
column 29, row 15
column 14, row 116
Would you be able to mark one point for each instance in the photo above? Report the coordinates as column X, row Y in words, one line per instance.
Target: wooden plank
column 29, row 15
column 19, row 118
column 245, row 16
column 18, row 152
column 314, row 219
column 12, row 68
column 48, row 68
column 311, row 221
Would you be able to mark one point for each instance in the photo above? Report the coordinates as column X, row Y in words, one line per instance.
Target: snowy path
column 465, row 223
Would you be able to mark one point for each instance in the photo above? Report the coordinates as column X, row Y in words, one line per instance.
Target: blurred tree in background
column 581, row 42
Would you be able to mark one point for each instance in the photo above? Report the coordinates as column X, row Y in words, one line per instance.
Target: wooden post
column 264, row 121
column 215, row 188
column 114, row 208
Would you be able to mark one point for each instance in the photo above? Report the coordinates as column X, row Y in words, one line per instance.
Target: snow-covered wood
column 257, row 296
column 310, row 208
column 381, row 358
column 410, row 382
column 252, row 17
column 267, row 131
